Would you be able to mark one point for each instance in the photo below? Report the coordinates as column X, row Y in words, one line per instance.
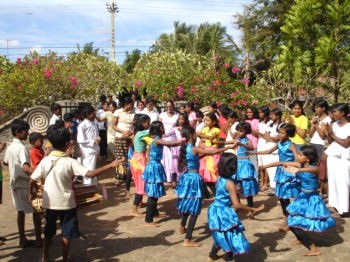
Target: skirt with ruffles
column 287, row 184
column 227, row 229
column 190, row 190
column 245, row 178
column 154, row 177
column 137, row 166
column 309, row 212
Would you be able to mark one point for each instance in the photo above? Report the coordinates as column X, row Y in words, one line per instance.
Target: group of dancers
column 203, row 167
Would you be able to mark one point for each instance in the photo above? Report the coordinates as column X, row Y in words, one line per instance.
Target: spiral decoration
column 38, row 119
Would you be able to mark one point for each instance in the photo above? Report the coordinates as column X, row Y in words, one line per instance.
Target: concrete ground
column 113, row 235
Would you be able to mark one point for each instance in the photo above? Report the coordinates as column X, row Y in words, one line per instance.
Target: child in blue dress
column 191, row 186
column 154, row 175
column 287, row 185
column 308, row 211
column 245, row 177
column 226, row 228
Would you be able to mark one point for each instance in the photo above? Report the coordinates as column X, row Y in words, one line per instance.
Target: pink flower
column 217, row 82
column 71, row 87
column 180, row 91
column 73, row 80
column 138, row 83
column 245, row 81
column 212, row 88
column 194, row 89
column 226, row 65
column 164, row 95
column 235, row 69
column 19, row 88
column 244, row 102
column 218, row 103
column 254, row 102
column 35, row 61
column 1, row 112
column 19, row 60
column 47, row 73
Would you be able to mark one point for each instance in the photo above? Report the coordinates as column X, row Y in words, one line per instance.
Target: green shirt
column 139, row 142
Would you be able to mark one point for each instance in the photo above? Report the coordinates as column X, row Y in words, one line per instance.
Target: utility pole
column 112, row 9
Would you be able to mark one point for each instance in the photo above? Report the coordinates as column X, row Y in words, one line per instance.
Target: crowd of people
column 218, row 155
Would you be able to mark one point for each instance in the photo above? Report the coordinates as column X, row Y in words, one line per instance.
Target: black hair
column 321, row 103
column 225, row 110
column 114, row 104
column 34, row 137
column 156, row 129
column 213, row 118
column 199, row 113
column 278, row 113
column 266, row 111
column 227, row 165
column 171, row 102
column 140, row 101
column 214, row 105
column 139, row 120
column 255, row 112
column 311, row 153
column 88, row 109
column 103, row 98
column 289, row 128
column 190, row 105
column 125, row 100
column 185, row 116
column 59, row 137
column 54, row 106
column 68, row 117
column 19, row 125
column 246, row 127
column 233, row 115
column 186, row 132
column 149, row 100
column 60, row 123
column 299, row 103
column 342, row 107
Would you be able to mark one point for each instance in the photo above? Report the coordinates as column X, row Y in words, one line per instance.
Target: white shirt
column 58, row 188
column 16, row 156
column 273, row 133
column 87, row 132
column 101, row 114
column 336, row 149
column 169, row 123
column 53, row 119
column 154, row 114
column 124, row 120
column 263, row 128
column 316, row 139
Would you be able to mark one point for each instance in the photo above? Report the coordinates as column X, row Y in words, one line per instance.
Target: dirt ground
column 113, row 235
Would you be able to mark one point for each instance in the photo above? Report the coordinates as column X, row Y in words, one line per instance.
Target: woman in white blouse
column 338, row 159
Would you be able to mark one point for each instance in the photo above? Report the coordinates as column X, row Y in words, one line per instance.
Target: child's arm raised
column 279, row 163
column 169, row 143
column 265, row 152
column 99, row 171
column 231, row 188
column 199, row 150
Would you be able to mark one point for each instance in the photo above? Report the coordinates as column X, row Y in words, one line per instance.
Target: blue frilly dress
column 287, row 184
column 308, row 211
column 154, row 174
column 190, row 187
column 245, row 177
column 226, row 228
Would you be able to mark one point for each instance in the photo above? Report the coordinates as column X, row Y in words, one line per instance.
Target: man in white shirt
column 150, row 110
column 102, row 128
column 88, row 140
column 58, row 196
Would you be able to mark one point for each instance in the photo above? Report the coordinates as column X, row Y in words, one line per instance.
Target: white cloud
column 9, row 43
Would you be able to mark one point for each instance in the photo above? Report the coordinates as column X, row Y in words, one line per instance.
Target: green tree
column 131, row 60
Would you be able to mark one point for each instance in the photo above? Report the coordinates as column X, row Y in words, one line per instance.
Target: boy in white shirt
column 18, row 161
column 88, row 140
column 58, row 195
column 56, row 111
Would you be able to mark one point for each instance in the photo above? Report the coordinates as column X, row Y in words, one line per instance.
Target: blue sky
column 59, row 25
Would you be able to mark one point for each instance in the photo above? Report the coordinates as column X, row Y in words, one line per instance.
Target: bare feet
column 296, row 242
column 189, row 243
column 284, row 228
column 152, row 224
column 135, row 214
column 251, row 215
column 161, row 215
column 312, row 253
column 127, row 193
column 182, row 230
